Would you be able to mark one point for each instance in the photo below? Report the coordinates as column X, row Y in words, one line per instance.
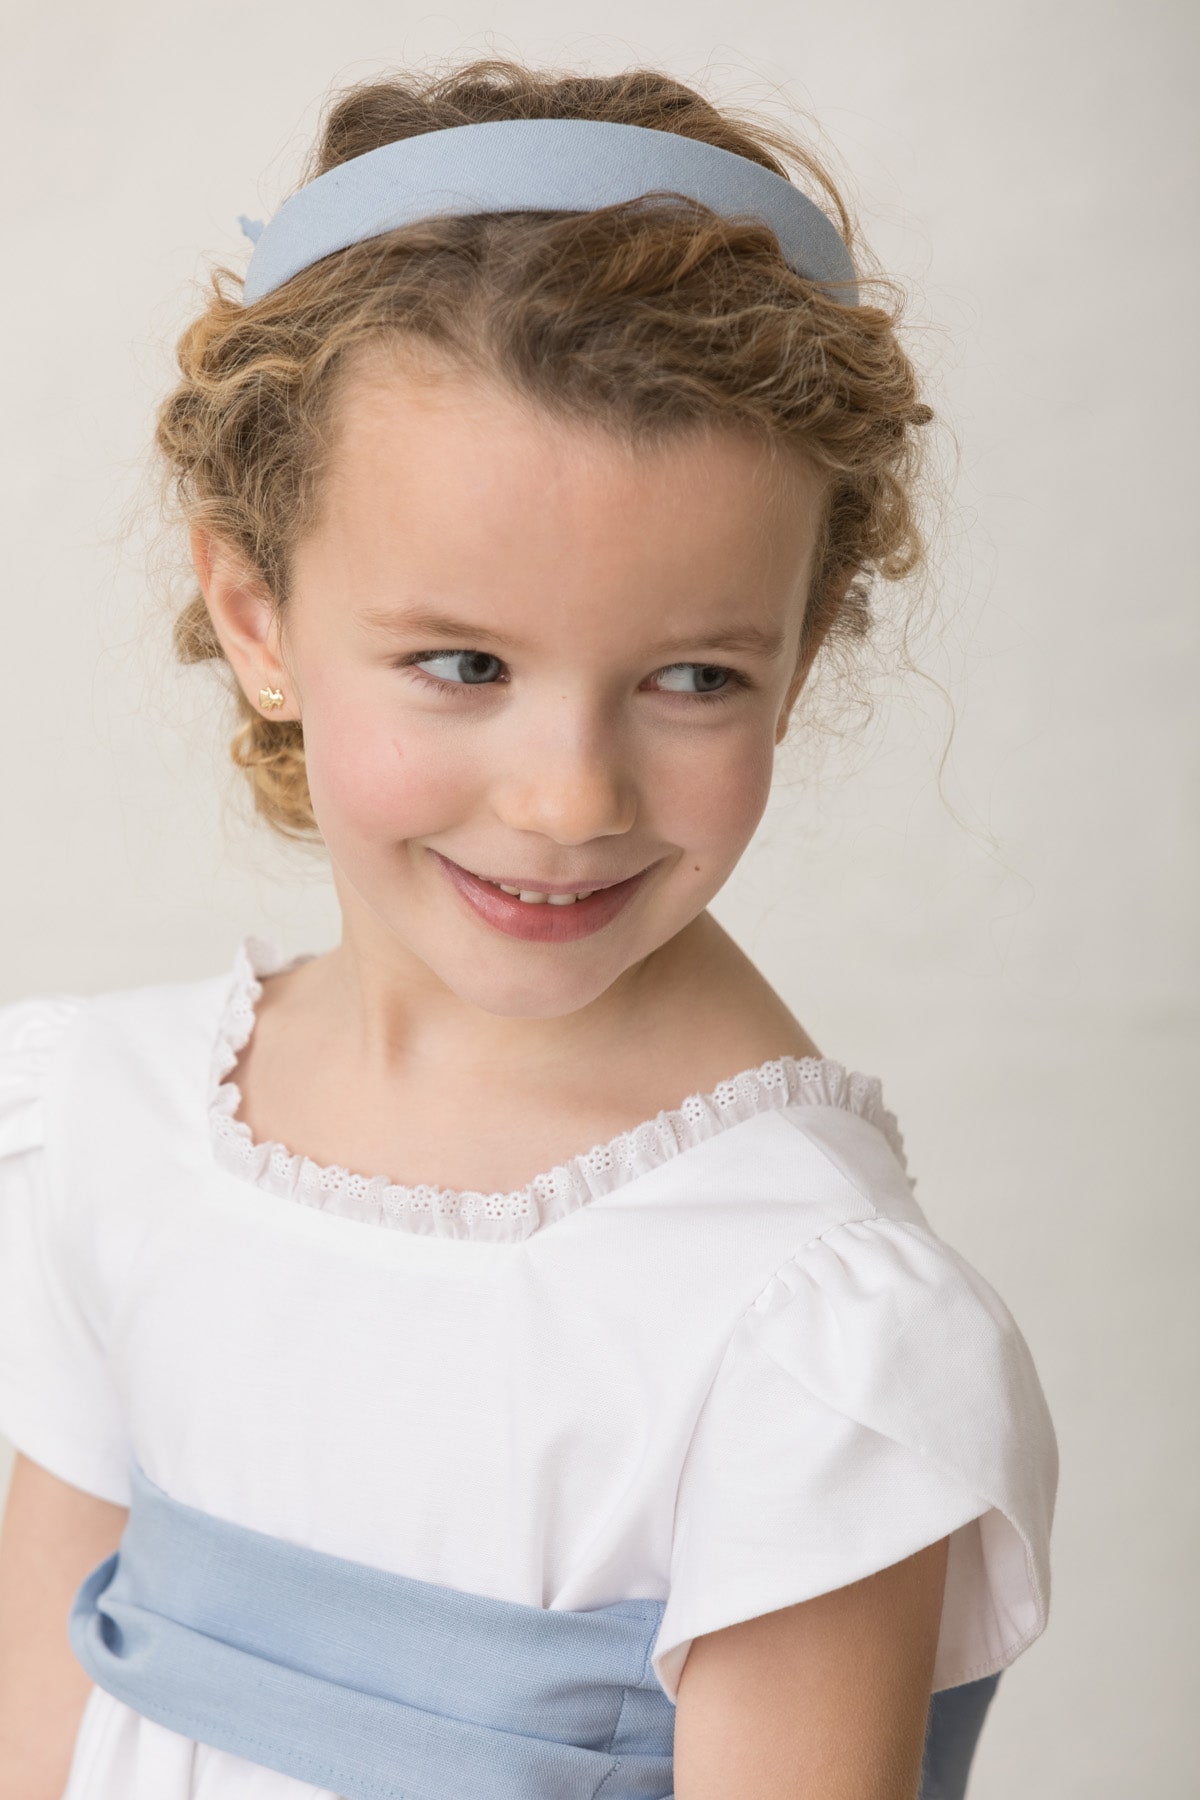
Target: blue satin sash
column 382, row 1687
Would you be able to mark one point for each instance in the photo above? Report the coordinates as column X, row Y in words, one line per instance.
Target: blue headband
column 535, row 165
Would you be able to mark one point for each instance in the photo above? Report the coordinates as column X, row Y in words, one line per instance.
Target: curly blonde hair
column 643, row 317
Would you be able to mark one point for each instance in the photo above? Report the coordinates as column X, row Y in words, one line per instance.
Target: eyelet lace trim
column 467, row 1213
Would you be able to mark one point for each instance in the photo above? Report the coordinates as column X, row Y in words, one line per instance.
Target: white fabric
column 723, row 1363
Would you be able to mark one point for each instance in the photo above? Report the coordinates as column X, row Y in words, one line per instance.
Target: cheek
column 372, row 777
column 715, row 796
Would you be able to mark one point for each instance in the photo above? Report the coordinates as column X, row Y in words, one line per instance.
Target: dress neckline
column 504, row 1217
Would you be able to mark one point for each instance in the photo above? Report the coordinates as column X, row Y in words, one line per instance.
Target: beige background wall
column 1011, row 954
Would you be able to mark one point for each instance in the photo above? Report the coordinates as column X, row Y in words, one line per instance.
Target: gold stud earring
column 269, row 698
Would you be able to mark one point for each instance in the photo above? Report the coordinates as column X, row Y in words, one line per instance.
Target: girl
column 380, row 1438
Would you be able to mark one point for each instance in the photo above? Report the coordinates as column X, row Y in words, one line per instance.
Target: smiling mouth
column 536, row 915
column 535, row 893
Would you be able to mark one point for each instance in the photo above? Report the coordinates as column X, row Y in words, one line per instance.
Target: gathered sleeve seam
column 925, row 1235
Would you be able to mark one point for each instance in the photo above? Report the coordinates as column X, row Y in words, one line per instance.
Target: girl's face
column 524, row 651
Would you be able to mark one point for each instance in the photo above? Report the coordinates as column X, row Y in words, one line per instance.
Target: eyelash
column 737, row 681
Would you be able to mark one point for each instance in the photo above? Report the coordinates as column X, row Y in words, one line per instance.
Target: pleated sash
column 373, row 1684
column 382, row 1687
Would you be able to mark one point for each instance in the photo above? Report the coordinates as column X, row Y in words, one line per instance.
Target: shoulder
column 840, row 1118
column 821, row 1148
column 141, row 1040
column 32, row 1032
column 713, row 1022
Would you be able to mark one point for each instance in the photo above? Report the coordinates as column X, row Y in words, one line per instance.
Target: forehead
column 450, row 480
column 398, row 405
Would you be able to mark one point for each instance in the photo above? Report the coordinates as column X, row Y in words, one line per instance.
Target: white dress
column 721, row 1361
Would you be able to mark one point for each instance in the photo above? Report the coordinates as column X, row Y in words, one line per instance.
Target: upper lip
column 529, row 886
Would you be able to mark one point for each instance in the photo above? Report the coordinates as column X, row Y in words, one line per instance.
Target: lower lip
column 537, row 921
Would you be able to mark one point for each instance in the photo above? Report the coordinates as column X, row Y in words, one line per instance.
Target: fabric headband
column 535, row 165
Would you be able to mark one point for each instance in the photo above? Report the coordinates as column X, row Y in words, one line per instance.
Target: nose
column 569, row 781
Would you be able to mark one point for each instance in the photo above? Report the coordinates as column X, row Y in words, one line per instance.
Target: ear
column 795, row 686
column 246, row 620
column 791, row 697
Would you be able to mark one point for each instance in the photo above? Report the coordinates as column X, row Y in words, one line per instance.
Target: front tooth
column 562, row 899
column 533, row 899
column 507, row 890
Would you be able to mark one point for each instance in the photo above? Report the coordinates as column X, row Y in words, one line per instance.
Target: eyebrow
column 751, row 639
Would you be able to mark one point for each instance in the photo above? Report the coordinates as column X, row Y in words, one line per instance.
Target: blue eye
column 715, row 681
column 706, row 674
column 473, row 658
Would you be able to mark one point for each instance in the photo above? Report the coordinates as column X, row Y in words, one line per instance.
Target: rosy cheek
column 370, row 779
column 716, row 801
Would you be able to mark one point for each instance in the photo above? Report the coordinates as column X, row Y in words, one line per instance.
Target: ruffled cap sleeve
column 30, row 1033
column 876, row 1397
column 57, row 1401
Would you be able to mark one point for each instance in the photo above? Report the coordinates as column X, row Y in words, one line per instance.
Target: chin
column 525, row 996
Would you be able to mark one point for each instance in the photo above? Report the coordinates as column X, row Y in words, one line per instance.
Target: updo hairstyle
column 642, row 318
